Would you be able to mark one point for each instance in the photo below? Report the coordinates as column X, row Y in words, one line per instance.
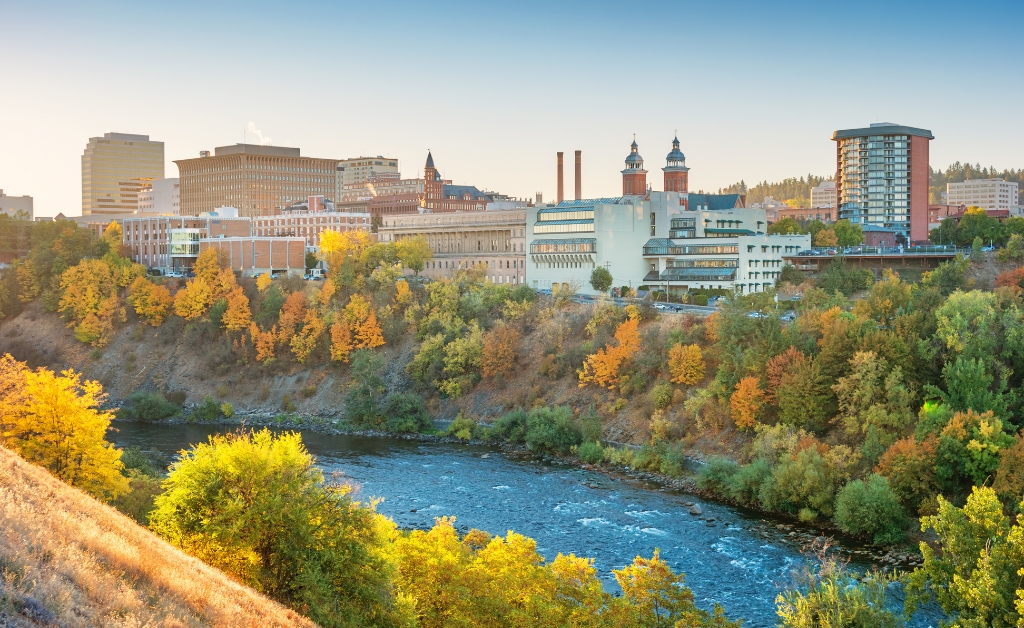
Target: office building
column 115, row 168
column 983, row 193
column 882, row 178
column 13, row 205
column 493, row 240
column 671, row 240
column 824, row 195
column 258, row 180
column 362, row 169
column 163, row 196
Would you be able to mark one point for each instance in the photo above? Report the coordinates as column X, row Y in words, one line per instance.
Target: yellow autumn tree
column 83, row 287
column 603, row 368
column 113, row 235
column 341, row 341
column 12, row 387
column 326, row 293
column 686, row 364
column 237, row 315
column 293, row 312
column 208, row 265
column 357, row 311
column 151, row 302
column 369, row 333
column 224, row 284
column 263, row 281
column 403, row 295
column 746, row 402
column 28, row 281
column 59, row 426
column 194, row 300
column 264, row 342
column 304, row 342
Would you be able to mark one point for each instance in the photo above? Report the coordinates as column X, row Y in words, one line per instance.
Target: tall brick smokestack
column 561, row 180
column 579, row 184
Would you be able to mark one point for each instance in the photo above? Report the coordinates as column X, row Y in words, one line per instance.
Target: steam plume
column 264, row 141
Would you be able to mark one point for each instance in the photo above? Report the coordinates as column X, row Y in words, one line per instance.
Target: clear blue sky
column 755, row 89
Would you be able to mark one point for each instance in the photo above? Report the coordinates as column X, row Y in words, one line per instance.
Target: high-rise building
column 882, row 178
column 363, row 169
column 824, row 195
column 115, row 168
column 258, row 180
column 163, row 196
column 984, row 193
column 11, row 205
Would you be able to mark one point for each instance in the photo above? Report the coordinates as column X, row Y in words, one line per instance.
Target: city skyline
column 494, row 92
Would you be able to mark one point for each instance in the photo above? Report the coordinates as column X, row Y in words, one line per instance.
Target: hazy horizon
column 494, row 91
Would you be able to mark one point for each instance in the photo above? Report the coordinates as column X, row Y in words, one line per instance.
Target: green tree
column 414, row 253
column 976, row 247
column 948, row 277
column 256, row 506
column 311, row 260
column 829, row 597
column 869, row 508
column 784, row 226
column 847, row 233
column 601, row 279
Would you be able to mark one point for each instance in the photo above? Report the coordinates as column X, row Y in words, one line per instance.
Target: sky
column 754, row 89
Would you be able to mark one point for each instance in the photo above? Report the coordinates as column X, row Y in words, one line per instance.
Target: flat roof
column 886, row 129
column 256, row 149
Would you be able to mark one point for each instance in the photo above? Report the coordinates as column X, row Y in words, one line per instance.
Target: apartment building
column 494, row 240
column 824, row 195
column 115, row 168
column 882, row 178
column 984, row 193
column 258, row 180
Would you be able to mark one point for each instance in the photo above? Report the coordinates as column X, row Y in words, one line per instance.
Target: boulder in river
column 695, row 510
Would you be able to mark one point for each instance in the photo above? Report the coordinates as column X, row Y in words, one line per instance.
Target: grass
column 89, row 565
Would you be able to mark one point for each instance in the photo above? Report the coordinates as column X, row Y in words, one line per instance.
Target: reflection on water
column 736, row 558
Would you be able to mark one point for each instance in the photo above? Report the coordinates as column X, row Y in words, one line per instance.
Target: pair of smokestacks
column 561, row 179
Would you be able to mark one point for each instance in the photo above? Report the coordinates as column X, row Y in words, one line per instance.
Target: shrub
column 553, row 428
column 524, row 294
column 673, row 462
column 870, row 509
column 227, row 409
column 209, row 410
column 286, row 404
column 462, row 427
column 716, row 475
column 308, row 391
column 405, row 412
column 590, row 452
column 177, row 397
column 661, row 395
column 745, row 485
column 146, row 406
column 511, row 426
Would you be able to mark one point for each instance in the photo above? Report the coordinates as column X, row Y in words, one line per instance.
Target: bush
column 227, row 409
column 524, row 294
column 177, row 397
column 209, row 410
column 590, row 452
column 716, row 475
column 463, row 427
column 673, row 462
column 554, row 429
column 405, row 413
column 137, row 503
column 870, row 509
column 146, row 406
column 286, row 404
column 511, row 426
column 745, row 485
column 661, row 395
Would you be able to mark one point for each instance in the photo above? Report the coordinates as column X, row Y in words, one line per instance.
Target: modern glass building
column 882, row 178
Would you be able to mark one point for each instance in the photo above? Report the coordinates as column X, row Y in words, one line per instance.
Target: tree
column 264, row 342
column 976, row 246
column 826, row 237
column 803, row 396
column 341, row 341
column 256, row 506
column 601, row 279
column 778, row 366
column 208, row 265
column 194, row 300
column 830, row 597
column 603, row 367
column 368, row 333
column 686, row 364
column 500, row 350
column 237, row 316
column 974, row 573
column 909, row 466
column 875, row 404
column 305, row 341
column 152, row 302
column 113, row 235
column 784, row 226
column 870, row 508
column 263, row 281
column 311, row 260
column 847, row 233
column 58, row 425
column 745, row 402
column 414, row 253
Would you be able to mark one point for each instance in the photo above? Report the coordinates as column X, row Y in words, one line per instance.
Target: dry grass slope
column 67, row 557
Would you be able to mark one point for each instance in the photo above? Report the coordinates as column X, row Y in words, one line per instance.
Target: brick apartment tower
column 676, row 172
column 433, row 187
column 561, row 180
column 634, row 177
column 579, row 173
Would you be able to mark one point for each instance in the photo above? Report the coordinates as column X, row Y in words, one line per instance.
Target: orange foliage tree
column 1012, row 277
column 369, row 333
column 686, row 364
column 264, row 342
column 152, row 302
column 293, row 312
column 237, row 316
column 341, row 341
column 745, row 402
column 304, row 341
column 498, row 357
column 194, row 300
column 778, row 366
column 603, row 367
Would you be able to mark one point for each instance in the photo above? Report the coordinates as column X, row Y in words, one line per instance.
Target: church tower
column 676, row 172
column 634, row 177
column 433, row 188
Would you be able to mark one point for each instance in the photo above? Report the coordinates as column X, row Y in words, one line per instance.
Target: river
column 740, row 559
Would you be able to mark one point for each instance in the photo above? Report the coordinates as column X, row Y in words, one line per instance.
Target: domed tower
column 676, row 177
column 634, row 177
column 433, row 188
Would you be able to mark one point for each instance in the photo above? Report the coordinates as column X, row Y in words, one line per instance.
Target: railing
column 830, row 251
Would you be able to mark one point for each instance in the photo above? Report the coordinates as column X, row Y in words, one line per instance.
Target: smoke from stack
column 561, row 180
column 579, row 183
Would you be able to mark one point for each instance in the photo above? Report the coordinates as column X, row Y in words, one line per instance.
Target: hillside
column 67, row 558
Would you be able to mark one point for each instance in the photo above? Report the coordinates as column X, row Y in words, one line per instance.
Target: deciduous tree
column 686, row 364
column 500, row 350
column 341, row 341
column 369, row 334
column 151, row 302
column 237, row 316
column 745, row 402
column 194, row 300
column 603, row 367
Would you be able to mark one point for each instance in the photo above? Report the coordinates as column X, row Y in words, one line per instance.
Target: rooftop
column 882, row 128
column 256, row 149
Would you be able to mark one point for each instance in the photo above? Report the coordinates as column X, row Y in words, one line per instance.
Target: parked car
column 831, row 252
column 805, row 253
column 988, row 249
column 789, row 316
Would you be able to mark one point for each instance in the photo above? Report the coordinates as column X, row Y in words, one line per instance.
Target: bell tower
column 676, row 172
column 634, row 177
column 433, row 188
